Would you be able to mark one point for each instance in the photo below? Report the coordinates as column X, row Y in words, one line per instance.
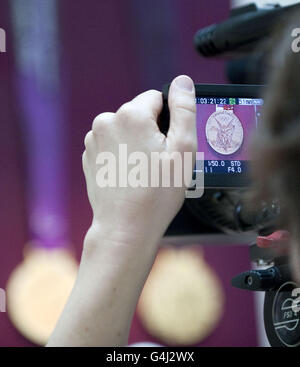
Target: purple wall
column 110, row 51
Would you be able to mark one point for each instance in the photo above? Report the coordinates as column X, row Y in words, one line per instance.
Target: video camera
column 226, row 117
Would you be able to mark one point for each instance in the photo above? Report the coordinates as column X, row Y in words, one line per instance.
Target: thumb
column 182, row 134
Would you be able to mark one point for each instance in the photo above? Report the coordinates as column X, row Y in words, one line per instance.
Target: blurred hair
column 276, row 147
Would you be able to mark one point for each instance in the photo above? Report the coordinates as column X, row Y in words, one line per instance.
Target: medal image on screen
column 224, row 128
column 224, row 131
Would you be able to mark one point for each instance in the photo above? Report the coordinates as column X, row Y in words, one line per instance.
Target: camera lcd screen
column 224, row 128
column 227, row 117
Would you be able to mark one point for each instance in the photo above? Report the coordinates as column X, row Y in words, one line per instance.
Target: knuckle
column 184, row 104
column 155, row 93
column 99, row 123
column 88, row 139
column 186, row 107
column 127, row 112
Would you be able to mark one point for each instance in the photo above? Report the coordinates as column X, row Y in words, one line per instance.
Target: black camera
column 226, row 116
column 239, row 37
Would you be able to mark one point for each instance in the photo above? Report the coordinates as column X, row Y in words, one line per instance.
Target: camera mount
column 281, row 303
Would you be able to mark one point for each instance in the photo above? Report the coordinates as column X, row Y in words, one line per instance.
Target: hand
column 121, row 244
column 123, row 214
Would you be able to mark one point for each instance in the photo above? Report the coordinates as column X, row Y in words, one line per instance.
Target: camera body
column 227, row 116
column 239, row 37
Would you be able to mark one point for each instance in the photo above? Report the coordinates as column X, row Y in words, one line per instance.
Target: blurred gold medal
column 182, row 301
column 37, row 291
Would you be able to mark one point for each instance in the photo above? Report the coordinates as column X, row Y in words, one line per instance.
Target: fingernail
column 184, row 83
